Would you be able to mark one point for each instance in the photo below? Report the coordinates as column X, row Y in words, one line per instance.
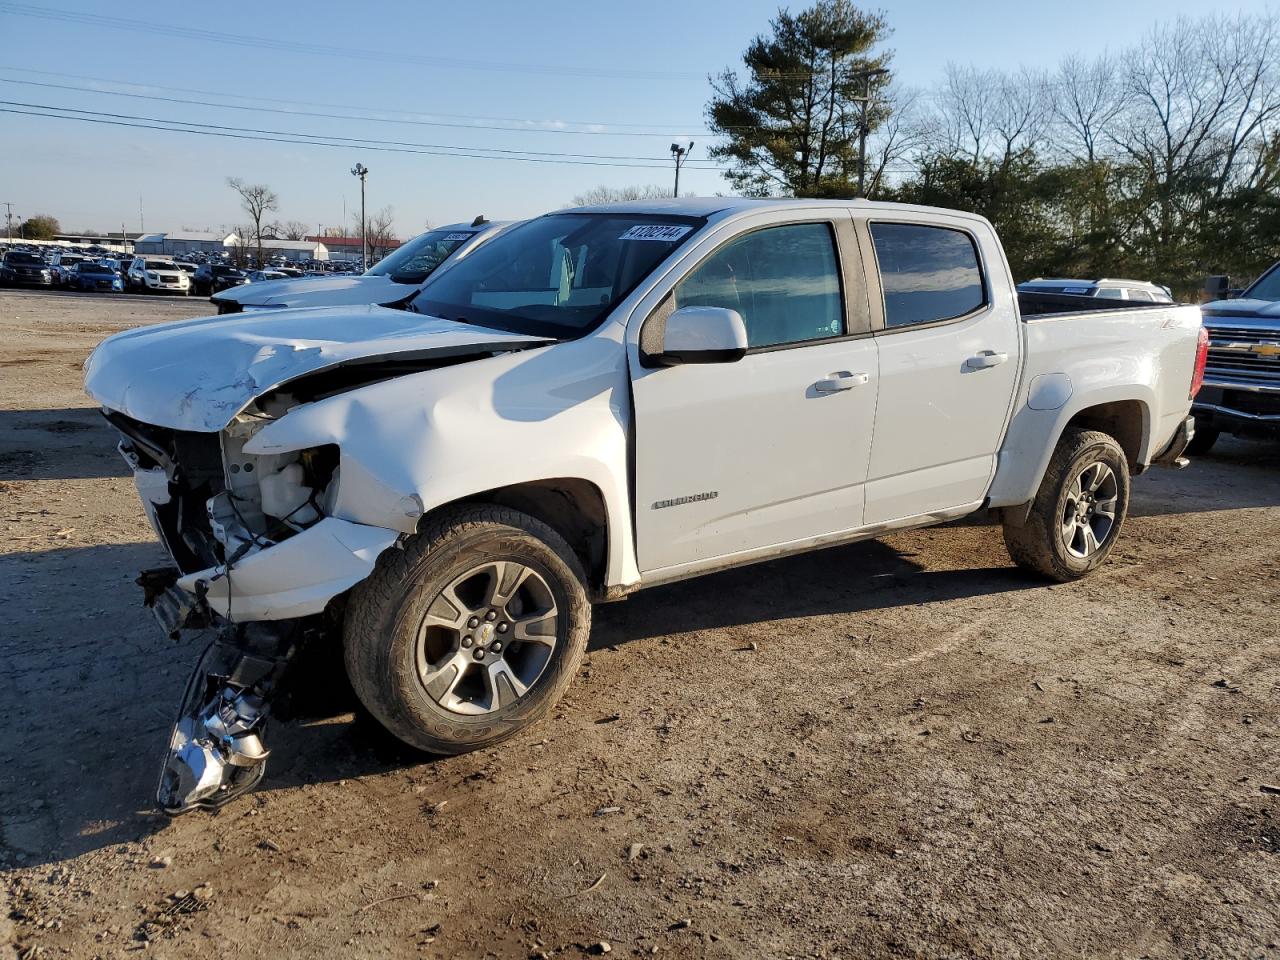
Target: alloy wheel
column 1089, row 513
column 487, row 637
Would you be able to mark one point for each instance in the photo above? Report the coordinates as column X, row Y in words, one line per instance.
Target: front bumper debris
column 217, row 749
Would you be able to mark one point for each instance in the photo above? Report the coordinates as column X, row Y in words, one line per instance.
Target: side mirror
column 1218, row 288
column 703, row 335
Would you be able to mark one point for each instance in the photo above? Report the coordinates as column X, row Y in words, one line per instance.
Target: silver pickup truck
column 1241, row 393
column 595, row 402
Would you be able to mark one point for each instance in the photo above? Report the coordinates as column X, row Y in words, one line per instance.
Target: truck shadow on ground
column 68, row 443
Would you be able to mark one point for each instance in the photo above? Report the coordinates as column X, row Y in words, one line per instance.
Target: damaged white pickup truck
column 597, row 401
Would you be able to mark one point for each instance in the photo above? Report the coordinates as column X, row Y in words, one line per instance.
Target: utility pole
column 863, row 128
column 8, row 218
column 679, row 154
column 142, row 223
column 361, row 171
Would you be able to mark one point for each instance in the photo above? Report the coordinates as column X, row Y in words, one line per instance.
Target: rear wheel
column 469, row 633
column 1078, row 511
column 1203, row 440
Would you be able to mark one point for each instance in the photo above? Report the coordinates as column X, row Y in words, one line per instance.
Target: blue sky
column 642, row 65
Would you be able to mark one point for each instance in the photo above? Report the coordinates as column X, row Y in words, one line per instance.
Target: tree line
column 1160, row 161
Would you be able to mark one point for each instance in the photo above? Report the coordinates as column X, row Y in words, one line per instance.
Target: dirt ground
column 899, row 748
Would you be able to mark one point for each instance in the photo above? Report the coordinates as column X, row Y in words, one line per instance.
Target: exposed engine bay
column 213, row 505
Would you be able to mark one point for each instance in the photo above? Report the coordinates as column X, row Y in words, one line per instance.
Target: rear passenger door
column 949, row 349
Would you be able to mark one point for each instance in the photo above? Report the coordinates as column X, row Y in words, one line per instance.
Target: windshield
column 67, row 261
column 414, row 261
column 226, row 272
column 88, row 267
column 1266, row 287
column 557, row 276
column 22, row 258
column 159, row 265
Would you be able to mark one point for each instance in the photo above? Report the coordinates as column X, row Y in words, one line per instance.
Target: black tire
column 1203, row 441
column 1038, row 544
column 385, row 611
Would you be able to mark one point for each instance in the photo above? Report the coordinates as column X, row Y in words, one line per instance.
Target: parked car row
column 207, row 274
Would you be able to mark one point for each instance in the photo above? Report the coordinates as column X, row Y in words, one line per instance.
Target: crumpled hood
column 1260, row 309
column 198, row 374
column 318, row 291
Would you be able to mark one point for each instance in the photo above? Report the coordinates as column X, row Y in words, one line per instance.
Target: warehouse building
column 177, row 244
column 289, row 249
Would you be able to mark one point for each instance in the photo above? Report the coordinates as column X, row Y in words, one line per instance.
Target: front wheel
column 469, row 633
column 1078, row 511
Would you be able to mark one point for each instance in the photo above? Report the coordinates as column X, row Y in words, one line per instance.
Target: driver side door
column 737, row 457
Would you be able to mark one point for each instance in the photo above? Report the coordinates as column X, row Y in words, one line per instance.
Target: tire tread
column 1030, row 544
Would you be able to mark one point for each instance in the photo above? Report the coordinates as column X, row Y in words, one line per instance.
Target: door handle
column 985, row 359
column 835, row 382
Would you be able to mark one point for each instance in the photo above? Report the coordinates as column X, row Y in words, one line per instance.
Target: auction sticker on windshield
column 656, row 231
column 455, row 236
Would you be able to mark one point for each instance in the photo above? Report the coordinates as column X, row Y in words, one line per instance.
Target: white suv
column 148, row 273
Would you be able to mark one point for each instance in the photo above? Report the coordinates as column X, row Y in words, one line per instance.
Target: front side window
column 556, row 276
column 1266, row 287
column 928, row 274
column 414, row 261
column 784, row 281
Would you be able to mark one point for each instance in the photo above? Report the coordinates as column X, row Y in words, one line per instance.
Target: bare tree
column 604, row 194
column 257, row 200
column 1088, row 97
column 966, row 109
column 1020, row 116
column 379, row 231
column 240, row 245
column 289, row 230
column 905, row 131
column 1204, row 97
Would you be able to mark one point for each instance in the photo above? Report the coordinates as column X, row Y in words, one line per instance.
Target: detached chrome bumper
column 1171, row 455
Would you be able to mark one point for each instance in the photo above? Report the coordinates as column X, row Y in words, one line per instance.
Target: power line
column 360, row 141
column 489, row 123
column 354, row 53
column 167, row 126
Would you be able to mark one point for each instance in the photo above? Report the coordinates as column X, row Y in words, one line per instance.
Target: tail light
column 1202, row 356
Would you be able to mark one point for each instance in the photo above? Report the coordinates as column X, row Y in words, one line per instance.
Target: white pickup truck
column 594, row 402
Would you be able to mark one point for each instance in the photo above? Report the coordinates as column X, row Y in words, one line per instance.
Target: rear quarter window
column 928, row 274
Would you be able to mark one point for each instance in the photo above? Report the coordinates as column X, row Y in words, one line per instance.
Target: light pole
column 361, row 171
column 863, row 129
column 679, row 154
column 8, row 219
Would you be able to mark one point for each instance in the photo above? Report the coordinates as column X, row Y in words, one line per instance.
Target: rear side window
column 1141, row 295
column 784, row 281
column 928, row 273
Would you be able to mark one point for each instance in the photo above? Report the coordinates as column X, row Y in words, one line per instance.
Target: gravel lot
column 899, row 748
